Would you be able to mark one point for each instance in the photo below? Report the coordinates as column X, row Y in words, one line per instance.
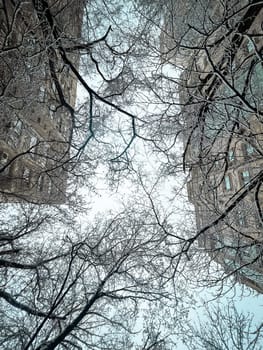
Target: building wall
column 35, row 128
column 224, row 148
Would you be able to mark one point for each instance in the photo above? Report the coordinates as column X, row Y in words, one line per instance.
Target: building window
column 18, row 127
column 14, row 137
column 250, row 46
column 248, row 150
column 245, row 176
column 60, row 125
column 241, row 218
column 42, row 93
column 52, row 111
column 40, row 183
column 3, row 159
column 53, row 86
column 26, row 176
column 228, row 185
column 259, row 221
column 33, row 141
column 26, row 173
column 4, row 156
column 49, row 187
column 231, row 155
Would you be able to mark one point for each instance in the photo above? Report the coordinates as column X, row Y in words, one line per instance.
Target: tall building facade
column 221, row 107
column 38, row 93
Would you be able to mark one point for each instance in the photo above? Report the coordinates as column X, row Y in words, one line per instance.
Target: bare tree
column 66, row 284
column 223, row 327
column 78, row 288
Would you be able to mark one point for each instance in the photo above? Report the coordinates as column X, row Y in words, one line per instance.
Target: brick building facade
column 221, row 108
column 35, row 124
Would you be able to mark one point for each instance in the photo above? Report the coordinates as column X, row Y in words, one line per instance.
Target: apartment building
column 38, row 93
column 221, row 108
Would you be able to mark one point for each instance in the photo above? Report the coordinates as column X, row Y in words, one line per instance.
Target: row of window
column 248, row 151
column 244, row 177
column 243, row 220
column 30, row 141
column 43, row 182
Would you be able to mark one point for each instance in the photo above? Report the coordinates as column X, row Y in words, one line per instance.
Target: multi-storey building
column 221, row 107
column 37, row 96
